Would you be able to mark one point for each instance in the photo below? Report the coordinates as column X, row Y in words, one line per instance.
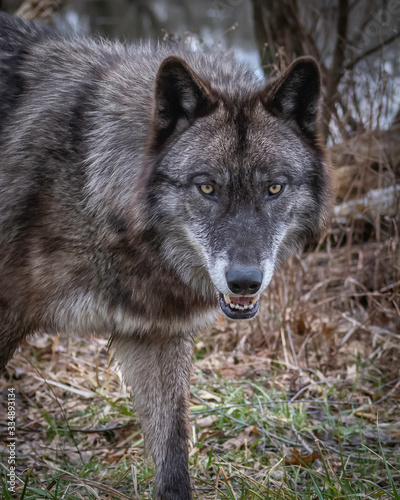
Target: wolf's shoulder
column 16, row 32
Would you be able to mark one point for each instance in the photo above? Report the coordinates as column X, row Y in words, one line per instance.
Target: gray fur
column 102, row 225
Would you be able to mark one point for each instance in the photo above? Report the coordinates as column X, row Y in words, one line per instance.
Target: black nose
column 244, row 280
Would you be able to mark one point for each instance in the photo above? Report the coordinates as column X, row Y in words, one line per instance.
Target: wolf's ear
column 295, row 95
column 181, row 96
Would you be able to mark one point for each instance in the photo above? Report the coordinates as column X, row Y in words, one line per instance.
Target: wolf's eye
column 275, row 189
column 206, row 188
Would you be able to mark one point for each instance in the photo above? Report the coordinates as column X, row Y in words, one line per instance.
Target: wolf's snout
column 244, row 280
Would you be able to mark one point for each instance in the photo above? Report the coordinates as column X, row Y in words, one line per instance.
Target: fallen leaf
column 209, row 395
column 248, row 435
column 300, row 457
column 206, row 421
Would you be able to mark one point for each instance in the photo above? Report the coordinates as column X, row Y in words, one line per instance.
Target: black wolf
column 144, row 188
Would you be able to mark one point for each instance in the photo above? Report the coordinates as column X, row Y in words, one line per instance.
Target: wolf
column 145, row 189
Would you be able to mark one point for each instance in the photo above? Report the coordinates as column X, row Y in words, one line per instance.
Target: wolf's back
column 16, row 39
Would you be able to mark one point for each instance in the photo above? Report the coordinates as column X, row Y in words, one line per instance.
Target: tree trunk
column 335, row 73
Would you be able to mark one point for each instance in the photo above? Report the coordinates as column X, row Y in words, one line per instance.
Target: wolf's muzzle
column 244, row 282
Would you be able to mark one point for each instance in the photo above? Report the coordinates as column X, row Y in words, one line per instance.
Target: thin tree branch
column 354, row 62
column 354, row 4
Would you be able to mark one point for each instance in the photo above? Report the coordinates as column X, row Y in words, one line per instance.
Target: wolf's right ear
column 180, row 97
column 294, row 96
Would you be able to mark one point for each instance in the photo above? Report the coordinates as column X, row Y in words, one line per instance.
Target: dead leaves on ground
column 245, row 438
column 302, row 457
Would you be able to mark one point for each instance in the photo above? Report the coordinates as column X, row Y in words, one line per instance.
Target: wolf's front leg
column 158, row 371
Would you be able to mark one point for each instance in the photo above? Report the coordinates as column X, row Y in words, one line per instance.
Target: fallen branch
column 376, row 202
column 367, row 161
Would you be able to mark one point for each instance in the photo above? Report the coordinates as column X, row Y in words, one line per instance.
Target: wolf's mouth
column 243, row 307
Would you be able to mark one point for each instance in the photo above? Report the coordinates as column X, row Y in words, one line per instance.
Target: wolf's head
column 238, row 180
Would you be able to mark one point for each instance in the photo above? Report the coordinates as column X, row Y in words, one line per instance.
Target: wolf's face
column 240, row 182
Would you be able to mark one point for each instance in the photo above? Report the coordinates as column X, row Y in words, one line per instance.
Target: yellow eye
column 206, row 188
column 275, row 189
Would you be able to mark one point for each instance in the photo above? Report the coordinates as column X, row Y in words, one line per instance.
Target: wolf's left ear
column 181, row 96
column 295, row 95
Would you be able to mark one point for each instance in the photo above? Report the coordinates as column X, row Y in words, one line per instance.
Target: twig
column 393, row 390
column 94, row 431
column 350, row 65
column 40, row 10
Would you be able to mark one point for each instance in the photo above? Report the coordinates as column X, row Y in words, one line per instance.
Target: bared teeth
column 241, row 307
column 227, row 299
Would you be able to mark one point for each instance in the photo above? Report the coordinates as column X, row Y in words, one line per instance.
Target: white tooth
column 237, row 306
column 227, row 299
column 232, row 306
column 246, row 306
column 251, row 306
